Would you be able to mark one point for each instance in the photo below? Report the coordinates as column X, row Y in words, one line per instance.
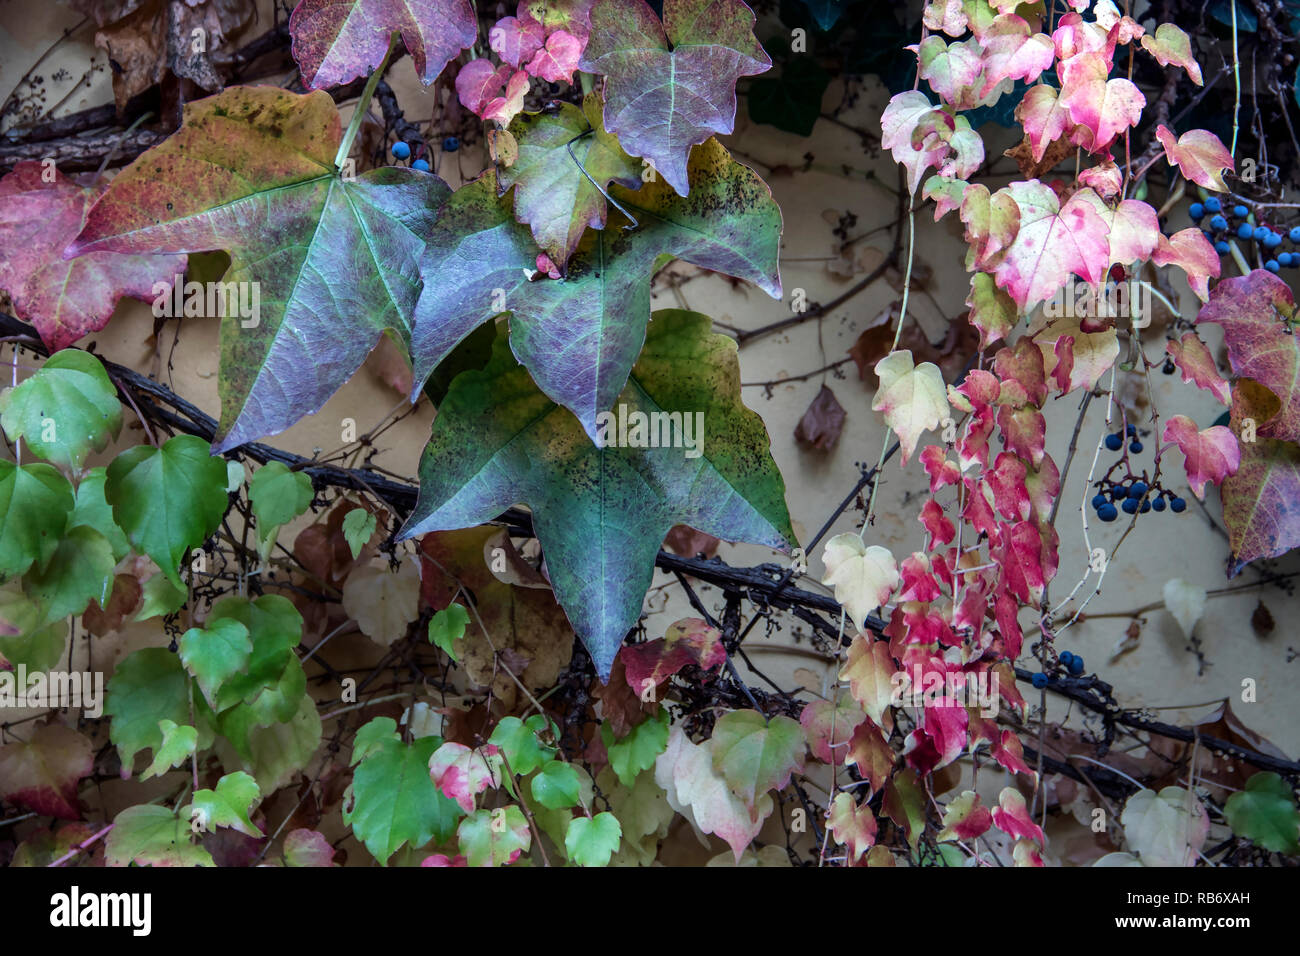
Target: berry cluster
column 402, row 150
column 1132, row 495
column 1237, row 222
column 1072, row 662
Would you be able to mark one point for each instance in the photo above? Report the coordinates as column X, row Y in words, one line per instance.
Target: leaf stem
column 363, row 104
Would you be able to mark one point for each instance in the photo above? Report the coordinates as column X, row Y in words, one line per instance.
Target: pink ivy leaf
column 1105, row 178
column 1251, row 310
column 992, row 221
column 1006, row 479
column 946, row 192
column 558, row 59
column 1025, row 562
column 946, row 15
column 41, row 773
column 441, row 859
column 965, row 818
column 1259, row 500
column 851, row 824
column 951, row 69
column 1212, row 454
column 920, row 136
column 937, row 525
column 1053, row 242
column 1091, row 353
column 829, row 725
column 1191, row 252
column 688, row 641
column 517, row 39
column 1011, row 816
column 1044, row 117
column 917, row 580
column 66, row 299
column 336, row 41
column 462, row 773
column 505, row 108
column 1198, row 366
column 1171, row 45
column 937, row 465
column 1074, row 36
column 1132, row 228
column 478, row 82
column 1104, row 107
column 1200, row 155
column 1013, row 51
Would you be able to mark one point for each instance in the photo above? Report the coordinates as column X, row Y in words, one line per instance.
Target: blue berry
column 1295, row 233
column 1130, row 506
column 1066, row 657
column 1272, row 265
column 1196, row 211
column 1178, row 506
column 401, row 150
column 1158, row 504
column 421, row 164
column 1218, row 222
column 1039, row 680
column 1284, row 258
column 1146, row 506
column 1076, row 665
column 1107, row 512
column 1137, row 489
column 1098, row 501
column 1272, row 240
column 1135, row 447
column 450, row 144
column 1213, row 205
column 1241, row 212
column 1130, row 430
column 1245, row 231
column 1114, row 442
column 1222, row 247
column 1260, row 233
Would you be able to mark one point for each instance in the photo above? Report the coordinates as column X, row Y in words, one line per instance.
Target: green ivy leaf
column 498, row 441
column 639, row 749
column 557, row 785
column 591, row 842
column 755, row 754
column 358, row 525
column 228, row 805
column 179, row 743
column 22, row 639
column 274, row 753
column 91, row 510
column 519, row 742
column 1265, row 813
column 272, row 678
column 277, row 495
column 149, row 686
column 80, row 571
column 494, row 837
column 167, row 500
column 393, row 801
column 214, row 653
column 65, row 411
column 35, row 501
column 152, row 836
column 161, row 597
column 447, row 627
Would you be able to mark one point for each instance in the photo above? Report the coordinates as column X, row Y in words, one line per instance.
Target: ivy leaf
column 671, row 85
column 863, row 577
column 912, row 397
column 1252, row 311
column 278, row 495
column 1198, row 367
column 828, row 725
column 1265, row 813
column 1169, row 44
column 494, row 837
column 1165, row 828
column 179, row 743
column 688, row 641
column 461, row 773
column 851, row 825
column 80, row 571
column 35, row 501
column 160, row 597
column 42, row 773
column 278, row 751
column 67, row 410
column 552, row 193
column 518, row 740
column 393, row 801
column 1199, row 155
column 91, row 510
column 215, row 653
column 557, row 785
column 303, row 847
column 580, row 336
column 358, row 526
column 1259, row 500
column 498, row 441
column 755, row 754
column 332, row 261
column 22, row 639
column 1102, row 108
column 167, row 500
column 1053, row 241
column 65, row 299
column 148, row 687
column 150, row 835
column 639, row 749
column 1212, row 454
column 447, row 627
column 336, row 41
column 591, row 841
column 383, row 602
column 228, row 805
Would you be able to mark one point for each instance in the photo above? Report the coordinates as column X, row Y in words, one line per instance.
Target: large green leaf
column 215, row 653
column 67, row 410
column 334, row 261
column 565, row 159
column 756, row 754
column 149, row 835
column 393, row 800
column 266, row 680
column 35, row 501
column 167, row 499
column 580, row 335
column 602, row 513
column 149, row 686
column 80, row 571
column 1266, row 813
